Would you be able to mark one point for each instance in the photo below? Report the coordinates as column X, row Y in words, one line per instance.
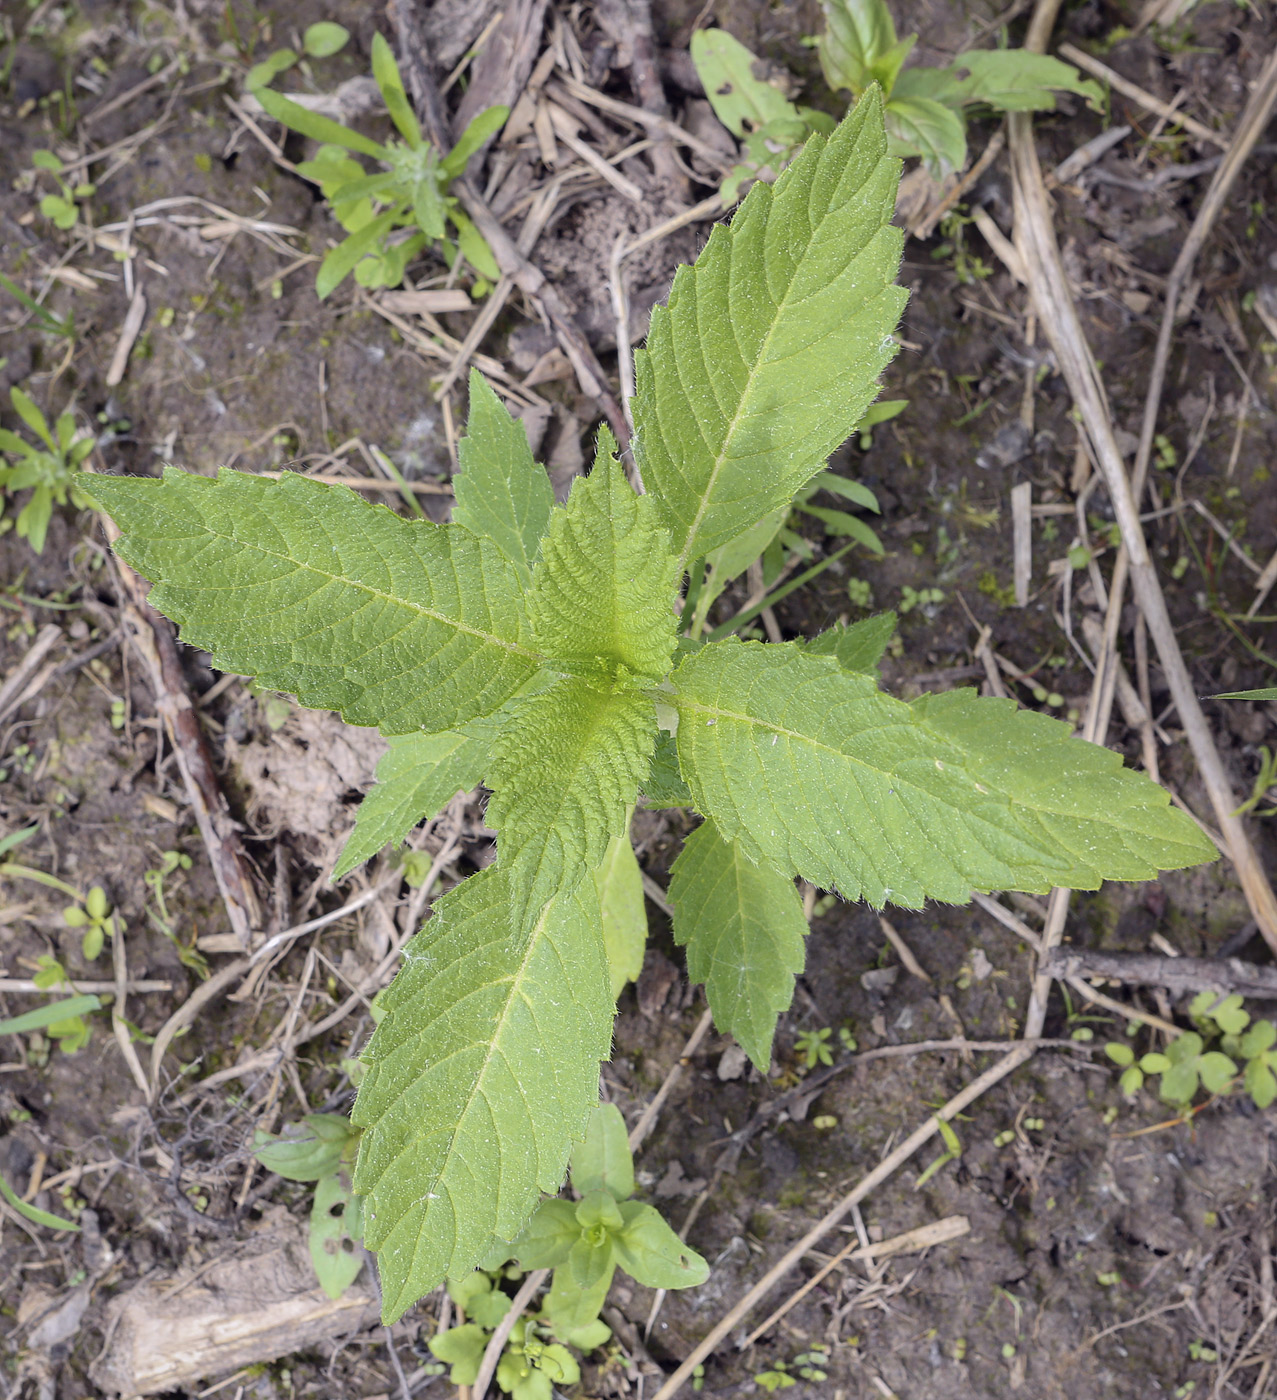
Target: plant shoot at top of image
column 380, row 212
column 535, row 647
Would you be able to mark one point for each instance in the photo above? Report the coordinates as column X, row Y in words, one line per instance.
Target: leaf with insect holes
column 405, row 625
column 481, row 1076
column 770, row 348
column 815, row 771
column 1015, row 80
column 501, row 492
column 743, row 927
column 741, row 101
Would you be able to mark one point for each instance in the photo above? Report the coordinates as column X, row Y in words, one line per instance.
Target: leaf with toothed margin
column 743, row 926
column 770, row 348
column 406, row 625
column 813, row 770
column 481, row 1076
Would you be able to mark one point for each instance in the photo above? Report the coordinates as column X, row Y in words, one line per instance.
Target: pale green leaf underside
column 564, row 773
column 603, row 588
column 620, row 886
column 743, row 927
column 405, row 625
column 770, row 349
column 482, row 1076
column 858, row 647
column 816, row 771
column 416, row 777
column 501, row 492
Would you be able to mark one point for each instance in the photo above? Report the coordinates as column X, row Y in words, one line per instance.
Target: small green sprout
column 95, row 918
column 812, row 1047
column 45, row 471
column 61, row 208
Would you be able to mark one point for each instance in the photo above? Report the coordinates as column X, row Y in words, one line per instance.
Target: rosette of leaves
column 535, row 648
column 45, row 470
column 389, row 217
column 61, row 208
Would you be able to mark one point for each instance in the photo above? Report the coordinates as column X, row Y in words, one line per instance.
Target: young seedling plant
column 536, row 647
column 44, row 470
column 379, row 212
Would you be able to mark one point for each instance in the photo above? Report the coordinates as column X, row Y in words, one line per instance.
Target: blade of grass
column 725, row 629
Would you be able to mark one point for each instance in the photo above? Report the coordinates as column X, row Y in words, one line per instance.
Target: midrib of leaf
column 721, row 458
column 374, row 593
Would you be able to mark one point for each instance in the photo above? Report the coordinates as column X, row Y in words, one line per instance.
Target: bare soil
column 1111, row 1251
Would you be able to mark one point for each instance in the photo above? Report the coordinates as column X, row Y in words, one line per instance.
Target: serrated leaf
column 501, row 493
column 1014, row 80
column 603, row 588
column 416, row 777
column 619, row 882
column 743, row 927
column 858, row 647
column 601, row 1161
column 664, row 785
column 481, row 1076
column 741, row 101
column 814, row 770
column 564, row 772
column 402, row 624
column 770, row 348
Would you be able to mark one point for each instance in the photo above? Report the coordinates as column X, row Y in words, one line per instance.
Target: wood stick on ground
column 19, row 681
column 930, row 222
column 794, row 1255
column 1227, row 976
column 154, row 642
column 647, row 1119
column 952, row 1227
column 1058, row 315
column 526, row 275
column 1138, row 94
column 492, row 1352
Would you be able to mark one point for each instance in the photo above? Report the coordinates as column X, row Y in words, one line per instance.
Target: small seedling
column 952, row 1151
column 812, row 1047
column 534, row 647
column 321, row 40
column 321, row 1148
column 95, row 917
column 45, row 471
column 61, row 208
column 172, row 862
column 380, row 212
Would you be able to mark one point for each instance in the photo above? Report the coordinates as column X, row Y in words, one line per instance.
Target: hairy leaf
column 405, row 625
column 743, row 927
column 770, row 348
column 816, row 771
column 603, row 589
column 858, row 647
column 501, row 492
column 564, row 772
column 620, row 885
column 664, row 785
column 416, row 777
column 481, row 1076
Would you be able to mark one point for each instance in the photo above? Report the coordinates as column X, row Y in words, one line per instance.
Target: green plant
column 321, row 40
column 95, row 917
column 61, row 208
column 1206, row 1058
column 56, row 325
column 378, row 211
column 927, row 109
column 808, row 1364
column 45, row 471
column 812, row 1047
column 321, row 1148
column 171, row 863
column 535, row 647
column 583, row 1242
